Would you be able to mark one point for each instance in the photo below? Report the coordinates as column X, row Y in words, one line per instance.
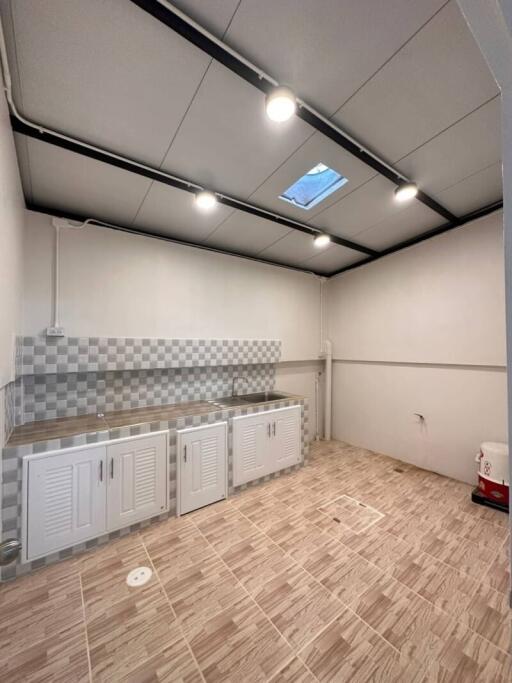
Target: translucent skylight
column 313, row 187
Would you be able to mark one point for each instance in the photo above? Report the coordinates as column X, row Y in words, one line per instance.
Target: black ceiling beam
column 81, row 218
column 411, row 241
column 175, row 22
column 105, row 156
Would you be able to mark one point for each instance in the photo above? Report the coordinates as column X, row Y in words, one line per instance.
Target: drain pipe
column 328, row 389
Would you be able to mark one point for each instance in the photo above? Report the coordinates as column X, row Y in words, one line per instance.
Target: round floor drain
column 139, row 576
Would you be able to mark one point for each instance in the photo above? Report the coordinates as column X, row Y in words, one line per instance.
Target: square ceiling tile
column 172, row 212
column 438, row 77
column 246, row 234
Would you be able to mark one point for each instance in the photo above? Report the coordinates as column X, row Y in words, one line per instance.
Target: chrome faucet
column 233, row 383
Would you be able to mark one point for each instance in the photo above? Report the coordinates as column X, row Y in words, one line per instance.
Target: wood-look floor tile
column 348, row 650
column 104, row 574
column 39, row 607
column 294, row 534
column 426, row 636
column 201, row 591
column 440, row 584
column 255, row 561
column 460, row 553
column 344, row 573
column 61, row 658
column 489, row 614
column 498, row 575
column 353, row 514
column 239, row 645
column 154, row 533
column 267, row 511
column 178, row 550
column 129, row 632
column 380, row 548
column 298, row 605
column 173, row 664
column 226, row 528
column 294, row 672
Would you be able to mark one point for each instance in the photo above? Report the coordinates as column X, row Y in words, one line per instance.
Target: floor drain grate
column 138, row 577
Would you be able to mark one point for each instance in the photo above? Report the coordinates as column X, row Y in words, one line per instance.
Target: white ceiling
column 404, row 76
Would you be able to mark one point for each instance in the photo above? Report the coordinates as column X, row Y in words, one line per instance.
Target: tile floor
column 294, row 580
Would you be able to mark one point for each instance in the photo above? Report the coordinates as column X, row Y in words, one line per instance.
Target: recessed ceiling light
column 205, row 200
column 321, row 240
column 281, row 104
column 406, row 191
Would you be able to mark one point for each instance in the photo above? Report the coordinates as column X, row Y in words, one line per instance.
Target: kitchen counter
column 62, row 427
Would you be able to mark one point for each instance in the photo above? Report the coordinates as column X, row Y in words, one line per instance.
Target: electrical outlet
column 55, row 332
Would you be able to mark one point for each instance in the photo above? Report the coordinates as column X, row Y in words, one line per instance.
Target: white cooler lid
column 492, row 448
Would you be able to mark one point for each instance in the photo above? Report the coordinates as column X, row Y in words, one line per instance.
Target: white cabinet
column 202, row 471
column 137, row 486
column 76, row 494
column 66, row 499
column 265, row 442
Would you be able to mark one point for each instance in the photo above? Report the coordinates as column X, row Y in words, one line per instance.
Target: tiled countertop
column 49, row 430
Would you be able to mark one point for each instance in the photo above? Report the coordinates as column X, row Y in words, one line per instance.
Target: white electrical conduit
column 59, row 223
column 42, row 129
column 264, row 76
column 328, row 389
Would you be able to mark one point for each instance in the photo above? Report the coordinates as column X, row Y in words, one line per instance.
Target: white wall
column 423, row 331
column 11, row 241
column 116, row 284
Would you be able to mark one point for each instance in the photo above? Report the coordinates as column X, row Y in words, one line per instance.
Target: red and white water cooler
column 493, row 481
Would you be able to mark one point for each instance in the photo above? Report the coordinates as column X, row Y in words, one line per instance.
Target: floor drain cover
column 139, row 576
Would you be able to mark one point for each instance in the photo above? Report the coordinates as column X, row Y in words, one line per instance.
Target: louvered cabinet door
column 251, row 447
column 136, row 480
column 66, row 499
column 286, row 450
column 202, row 466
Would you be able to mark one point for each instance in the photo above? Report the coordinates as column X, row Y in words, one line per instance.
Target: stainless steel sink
column 263, row 396
column 233, row 401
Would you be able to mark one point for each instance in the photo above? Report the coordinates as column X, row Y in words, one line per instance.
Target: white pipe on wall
column 328, row 389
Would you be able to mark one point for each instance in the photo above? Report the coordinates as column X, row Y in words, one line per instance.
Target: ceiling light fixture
column 205, row 200
column 321, row 240
column 406, row 191
column 280, row 104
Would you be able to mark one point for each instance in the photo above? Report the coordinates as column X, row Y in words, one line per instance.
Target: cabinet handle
column 111, row 468
column 268, row 430
column 101, row 470
column 274, row 428
column 185, row 453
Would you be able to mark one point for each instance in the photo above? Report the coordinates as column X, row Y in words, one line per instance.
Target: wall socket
column 55, row 332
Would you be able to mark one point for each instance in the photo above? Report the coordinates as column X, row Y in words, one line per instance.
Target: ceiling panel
column 213, row 15
column 105, row 71
column 74, row 183
column 326, row 50
column 361, row 209
column 475, row 191
column 413, row 220
column 226, row 141
column 172, row 212
column 317, row 148
column 247, row 234
column 463, row 149
column 437, row 78
column 333, row 259
column 293, row 248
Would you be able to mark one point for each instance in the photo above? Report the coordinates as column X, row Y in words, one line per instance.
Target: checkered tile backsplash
column 57, row 355
column 46, row 397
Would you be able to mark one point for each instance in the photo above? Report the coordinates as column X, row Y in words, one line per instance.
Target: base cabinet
column 137, row 480
column 265, row 443
column 202, row 466
column 76, row 494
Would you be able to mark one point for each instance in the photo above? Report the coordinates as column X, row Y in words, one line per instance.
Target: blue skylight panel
column 314, row 186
